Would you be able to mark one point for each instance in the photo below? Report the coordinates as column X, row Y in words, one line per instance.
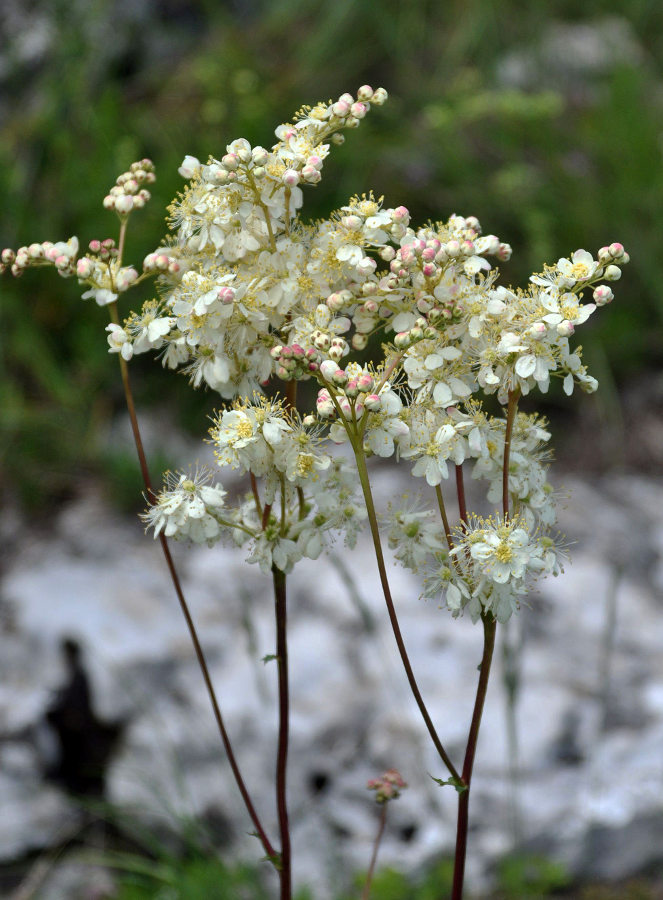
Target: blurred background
column 542, row 119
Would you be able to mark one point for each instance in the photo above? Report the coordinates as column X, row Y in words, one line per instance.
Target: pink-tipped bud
column 230, row 161
column 8, row 256
column 341, row 108
column 359, row 110
column 467, row 248
column 314, row 161
column 602, row 295
column 260, row 156
column 290, row 178
column 379, row 97
column 335, row 302
column 373, row 402
column 418, row 246
column 84, row 267
column 173, row 267
column 402, row 340
column 340, row 378
column 401, row 215
column 311, row 174
column 226, row 295
column 369, row 288
column 352, row 223
column 108, row 202
column 430, row 270
column 327, row 368
column 452, row 248
column 365, row 383
column 365, row 92
column 604, row 255
column 428, row 255
column 538, row 330
column 616, row 250
column 366, row 266
column 504, row 252
column 370, row 306
column 298, row 352
column 61, row 262
column 161, row 261
column 565, row 328
column 95, row 246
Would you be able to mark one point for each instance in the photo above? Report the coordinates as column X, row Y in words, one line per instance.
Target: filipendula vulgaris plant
column 249, row 292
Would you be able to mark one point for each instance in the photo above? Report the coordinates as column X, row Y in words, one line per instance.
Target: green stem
column 443, row 514
column 393, row 618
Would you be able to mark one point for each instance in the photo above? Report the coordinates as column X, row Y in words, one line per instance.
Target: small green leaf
column 455, row 783
column 269, row 657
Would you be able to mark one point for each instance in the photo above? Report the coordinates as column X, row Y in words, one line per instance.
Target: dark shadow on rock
column 85, row 743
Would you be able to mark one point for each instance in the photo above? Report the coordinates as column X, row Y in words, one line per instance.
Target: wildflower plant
column 250, row 293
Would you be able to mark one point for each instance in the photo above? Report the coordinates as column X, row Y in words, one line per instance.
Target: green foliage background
column 568, row 155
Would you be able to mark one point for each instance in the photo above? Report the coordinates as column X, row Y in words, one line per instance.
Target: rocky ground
column 589, row 716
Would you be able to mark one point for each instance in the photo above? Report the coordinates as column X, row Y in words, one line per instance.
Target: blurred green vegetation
column 543, row 119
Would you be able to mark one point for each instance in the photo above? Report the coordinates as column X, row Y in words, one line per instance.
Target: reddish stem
column 282, row 757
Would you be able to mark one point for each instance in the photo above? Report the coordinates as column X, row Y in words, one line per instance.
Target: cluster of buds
column 294, row 362
column 61, row 255
column 128, row 192
column 388, row 786
column 353, row 392
column 161, row 261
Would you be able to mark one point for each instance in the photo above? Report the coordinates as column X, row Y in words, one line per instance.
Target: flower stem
column 393, row 618
column 140, row 450
column 460, row 491
column 366, row 893
column 489, row 629
column 282, row 758
column 443, row 514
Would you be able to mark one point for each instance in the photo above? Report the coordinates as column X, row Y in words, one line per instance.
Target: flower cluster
column 248, row 290
column 492, row 563
column 388, row 786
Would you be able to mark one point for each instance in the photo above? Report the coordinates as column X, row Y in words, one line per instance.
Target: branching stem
column 269, row 849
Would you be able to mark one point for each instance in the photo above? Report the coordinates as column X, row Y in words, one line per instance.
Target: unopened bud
column 612, row 273
column 290, row 178
column 565, row 328
column 602, row 295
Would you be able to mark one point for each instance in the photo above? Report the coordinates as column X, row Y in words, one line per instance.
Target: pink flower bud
column 84, row 267
column 290, row 178
column 602, row 295
column 370, row 306
column 8, row 256
column 260, row 156
column 365, row 383
column 61, row 262
column 173, row 267
column 401, row 215
column 359, row 341
column 124, row 204
column 359, row 110
column 335, row 302
column 365, row 92
column 341, row 109
column 314, row 161
column 428, row 254
column 161, row 261
column 373, row 402
column 565, row 328
column 327, row 368
column 616, row 249
column 108, row 202
column 429, row 270
column 230, row 161
column 452, row 248
column 504, row 252
column 379, row 96
column 366, row 266
column 95, row 246
column 346, row 98
column 226, row 295
column 311, row 174
column 352, row 223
